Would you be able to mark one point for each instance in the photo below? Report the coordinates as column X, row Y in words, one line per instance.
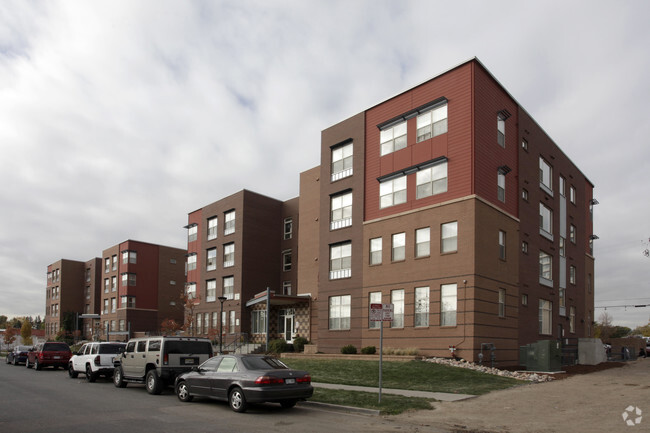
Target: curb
column 339, row 408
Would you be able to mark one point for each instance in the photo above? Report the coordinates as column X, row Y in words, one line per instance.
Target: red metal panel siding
column 146, row 270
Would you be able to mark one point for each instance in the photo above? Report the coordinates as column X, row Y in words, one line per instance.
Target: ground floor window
column 421, row 306
column 545, row 316
column 397, row 299
column 339, row 312
column 258, row 322
column 448, row 304
column 373, row 298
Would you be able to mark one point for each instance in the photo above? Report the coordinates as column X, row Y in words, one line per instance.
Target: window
column 192, row 232
column 212, row 228
column 258, row 321
column 423, row 242
column 501, row 186
column 398, row 247
column 562, row 247
column 232, row 321
column 524, row 194
column 190, row 290
column 107, row 285
column 199, row 324
column 228, row 255
column 572, row 320
column 113, row 305
column 545, row 268
column 215, row 320
column 288, row 228
column 421, row 306
column 342, row 161
column 545, row 316
column 545, row 176
column 448, row 301
column 431, row 181
column 104, row 311
column 501, row 130
column 562, row 305
column 572, row 233
column 432, row 123
column 397, row 299
column 502, row 303
column 449, row 237
column 229, row 287
column 114, row 258
column 375, row 251
column 191, row 262
column 393, row 139
column 128, row 279
column 340, row 260
column 211, row 290
column 286, row 260
column 545, row 221
column 374, row 298
column 524, row 299
column 286, row 287
column 341, row 211
column 113, row 284
column 562, row 186
column 211, row 259
column 229, row 225
column 524, row 247
column 572, row 194
column 392, row 192
column 339, row 312
column 129, row 257
column 572, row 274
column 502, row 245
column 127, row 301
column 524, row 144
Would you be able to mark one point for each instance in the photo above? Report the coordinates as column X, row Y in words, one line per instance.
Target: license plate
column 57, row 357
column 189, row 361
column 289, row 381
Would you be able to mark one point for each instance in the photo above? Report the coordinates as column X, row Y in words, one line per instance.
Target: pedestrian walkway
column 440, row 396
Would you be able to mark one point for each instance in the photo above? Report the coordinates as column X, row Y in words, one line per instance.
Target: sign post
column 381, row 313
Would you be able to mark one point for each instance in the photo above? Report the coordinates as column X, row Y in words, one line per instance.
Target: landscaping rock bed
column 520, row 375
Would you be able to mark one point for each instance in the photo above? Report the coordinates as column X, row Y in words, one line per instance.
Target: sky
column 118, row 118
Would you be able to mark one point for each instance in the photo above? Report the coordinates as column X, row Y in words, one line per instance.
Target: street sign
column 381, row 312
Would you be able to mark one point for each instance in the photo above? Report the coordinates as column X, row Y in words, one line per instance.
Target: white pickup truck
column 94, row 359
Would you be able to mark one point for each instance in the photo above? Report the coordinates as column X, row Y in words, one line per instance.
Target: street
column 49, row 401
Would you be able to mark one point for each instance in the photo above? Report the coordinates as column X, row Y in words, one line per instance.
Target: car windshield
column 56, row 347
column 263, row 363
column 110, row 348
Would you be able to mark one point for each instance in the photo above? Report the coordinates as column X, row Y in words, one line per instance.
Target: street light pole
column 221, row 299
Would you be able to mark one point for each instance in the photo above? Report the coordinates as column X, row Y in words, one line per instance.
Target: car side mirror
column 195, row 369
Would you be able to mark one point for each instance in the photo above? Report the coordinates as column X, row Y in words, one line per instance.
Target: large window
column 128, row 279
column 129, row 257
column 432, row 180
column 545, row 317
column 421, row 306
column 545, row 268
column 229, row 287
column 228, row 255
column 448, row 304
column 398, row 247
column 375, row 251
column 190, row 290
column 545, row 221
column 392, row 192
column 545, row 175
column 342, row 161
column 211, row 259
column 432, row 123
column 449, row 237
column 374, row 298
column 423, row 242
column 339, row 312
column 393, row 138
column 229, row 224
column 397, row 299
column 213, row 224
column 341, row 211
column 340, row 260
column 258, row 321
column 192, row 233
column 211, row 290
column 191, row 262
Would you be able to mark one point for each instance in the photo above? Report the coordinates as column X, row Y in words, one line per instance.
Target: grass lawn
column 390, row 404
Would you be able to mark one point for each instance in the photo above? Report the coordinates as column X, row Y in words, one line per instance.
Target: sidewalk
column 440, row 396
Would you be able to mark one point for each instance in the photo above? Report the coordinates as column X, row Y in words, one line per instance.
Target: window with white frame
column 501, row 130
column 199, row 324
column 545, row 268
column 258, row 322
column 432, row 180
column 192, row 232
column 113, row 284
column 524, row 194
column 524, row 144
column 215, row 320
column 375, row 251
column 572, row 233
column 398, row 247
column 286, row 260
column 229, row 287
column 233, row 321
column 392, row 192
column 397, row 299
column 393, row 138
column 341, row 210
column 448, row 304
column 374, row 298
column 501, row 186
column 113, row 305
column 190, row 290
column 129, row 257
column 423, row 242
column 572, row 194
column 229, row 255
column 545, row 221
column 211, row 290
column 229, row 224
column 449, row 237
column 211, row 259
column 545, row 317
column 339, row 312
column 107, row 286
column 286, row 287
column 104, row 311
column 213, row 226
column 432, row 123
column 114, row 258
column 545, row 175
column 502, row 245
column 572, row 274
column 502, row 303
column 288, row 228
column 128, row 279
column 342, row 158
column 340, row 260
column 562, row 297
column 421, row 306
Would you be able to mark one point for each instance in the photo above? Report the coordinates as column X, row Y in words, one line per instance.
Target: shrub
column 278, row 346
column 299, row 344
column 349, row 350
column 369, row 350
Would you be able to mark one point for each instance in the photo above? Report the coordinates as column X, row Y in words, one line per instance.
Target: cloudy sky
column 118, row 118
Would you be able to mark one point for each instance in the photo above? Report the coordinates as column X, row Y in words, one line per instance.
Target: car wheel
column 37, row 365
column 90, row 376
column 15, row 361
column 236, row 400
column 71, row 372
column 183, row 392
column 27, row 363
column 153, row 383
column 288, row 404
column 118, row 378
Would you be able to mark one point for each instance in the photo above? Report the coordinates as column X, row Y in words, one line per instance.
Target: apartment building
column 64, row 294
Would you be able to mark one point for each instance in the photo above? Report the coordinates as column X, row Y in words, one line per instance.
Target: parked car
column 51, row 354
column 243, row 379
column 156, row 361
column 18, row 355
column 95, row 359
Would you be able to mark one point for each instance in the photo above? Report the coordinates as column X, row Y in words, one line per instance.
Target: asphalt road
column 49, row 401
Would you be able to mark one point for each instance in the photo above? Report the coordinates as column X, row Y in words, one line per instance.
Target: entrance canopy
column 276, row 299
